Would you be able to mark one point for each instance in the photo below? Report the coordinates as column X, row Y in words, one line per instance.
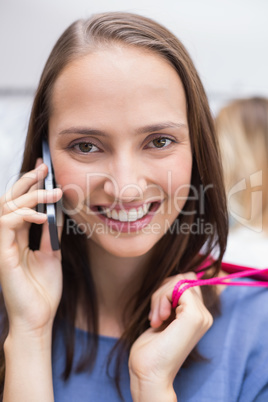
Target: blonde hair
column 242, row 128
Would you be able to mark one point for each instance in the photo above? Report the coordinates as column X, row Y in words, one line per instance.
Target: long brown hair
column 176, row 251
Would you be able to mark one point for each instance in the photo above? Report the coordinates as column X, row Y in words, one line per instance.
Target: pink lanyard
column 236, row 271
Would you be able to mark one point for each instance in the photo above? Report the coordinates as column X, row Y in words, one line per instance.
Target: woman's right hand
column 159, row 352
column 31, row 281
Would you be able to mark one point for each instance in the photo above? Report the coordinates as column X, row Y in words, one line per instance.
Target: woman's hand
column 157, row 355
column 31, row 281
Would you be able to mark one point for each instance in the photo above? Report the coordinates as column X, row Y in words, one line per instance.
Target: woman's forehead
column 125, row 79
column 116, row 69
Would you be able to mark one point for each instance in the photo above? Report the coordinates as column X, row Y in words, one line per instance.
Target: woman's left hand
column 157, row 355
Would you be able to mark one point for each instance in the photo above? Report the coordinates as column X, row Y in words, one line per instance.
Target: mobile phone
column 50, row 208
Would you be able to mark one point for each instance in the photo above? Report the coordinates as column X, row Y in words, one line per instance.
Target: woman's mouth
column 127, row 219
column 124, row 215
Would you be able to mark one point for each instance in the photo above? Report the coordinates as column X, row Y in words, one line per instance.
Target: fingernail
column 41, row 214
column 53, row 191
column 56, row 191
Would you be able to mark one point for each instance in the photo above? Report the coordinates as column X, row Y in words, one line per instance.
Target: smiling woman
column 139, row 158
column 135, row 158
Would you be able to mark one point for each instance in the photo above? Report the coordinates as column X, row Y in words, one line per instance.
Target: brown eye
column 85, row 146
column 160, row 142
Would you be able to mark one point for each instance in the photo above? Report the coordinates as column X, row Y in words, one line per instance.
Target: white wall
column 227, row 39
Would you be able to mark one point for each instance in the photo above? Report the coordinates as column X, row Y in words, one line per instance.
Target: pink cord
column 237, row 272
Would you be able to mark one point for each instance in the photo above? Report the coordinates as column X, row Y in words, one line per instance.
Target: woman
column 136, row 163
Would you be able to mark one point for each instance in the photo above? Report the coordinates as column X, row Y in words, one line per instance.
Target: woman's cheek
column 74, row 191
column 179, row 184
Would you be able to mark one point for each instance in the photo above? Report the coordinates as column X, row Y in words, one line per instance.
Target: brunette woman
column 139, row 176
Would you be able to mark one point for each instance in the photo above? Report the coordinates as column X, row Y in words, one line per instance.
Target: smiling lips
column 123, row 215
column 127, row 213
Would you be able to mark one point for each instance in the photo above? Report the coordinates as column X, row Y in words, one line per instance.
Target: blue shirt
column 236, row 347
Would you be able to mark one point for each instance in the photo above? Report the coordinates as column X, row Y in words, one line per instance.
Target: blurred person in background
column 242, row 128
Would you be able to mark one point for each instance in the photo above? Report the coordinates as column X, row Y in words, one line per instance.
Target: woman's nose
column 126, row 183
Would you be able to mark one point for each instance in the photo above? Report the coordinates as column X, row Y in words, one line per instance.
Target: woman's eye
column 160, row 142
column 85, row 147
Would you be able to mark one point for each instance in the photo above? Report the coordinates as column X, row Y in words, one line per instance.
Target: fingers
column 192, row 321
column 196, row 316
column 160, row 311
column 45, row 245
column 17, row 209
column 24, row 184
column 13, row 222
column 161, row 302
column 182, row 328
column 31, row 199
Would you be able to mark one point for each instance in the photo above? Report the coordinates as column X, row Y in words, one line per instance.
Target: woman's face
column 120, row 147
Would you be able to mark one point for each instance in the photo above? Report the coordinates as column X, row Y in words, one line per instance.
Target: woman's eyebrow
column 160, row 126
column 83, row 130
column 142, row 130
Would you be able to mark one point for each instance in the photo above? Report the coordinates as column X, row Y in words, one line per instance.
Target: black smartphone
column 50, row 208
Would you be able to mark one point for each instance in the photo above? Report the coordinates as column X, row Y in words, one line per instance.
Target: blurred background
column 227, row 39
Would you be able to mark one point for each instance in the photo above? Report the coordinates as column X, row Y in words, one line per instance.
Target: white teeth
column 140, row 212
column 108, row 213
column 131, row 215
column 114, row 214
column 122, row 216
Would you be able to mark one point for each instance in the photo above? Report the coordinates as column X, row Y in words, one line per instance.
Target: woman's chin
column 123, row 247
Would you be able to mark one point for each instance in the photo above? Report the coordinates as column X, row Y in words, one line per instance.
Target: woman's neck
column 116, row 281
